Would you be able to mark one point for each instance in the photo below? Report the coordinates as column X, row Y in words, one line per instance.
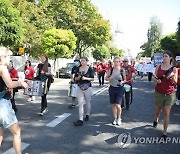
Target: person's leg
column 80, row 97
column 43, row 102
column 99, row 78
column 103, row 74
column 127, row 97
column 167, row 110
column 114, row 109
column 131, row 94
column 16, row 132
column 88, row 94
column 158, row 110
column 119, row 111
column 13, row 102
column 1, row 135
column 73, row 100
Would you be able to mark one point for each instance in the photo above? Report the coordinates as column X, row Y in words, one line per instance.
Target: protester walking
column 29, row 75
column 116, row 78
column 101, row 70
column 73, row 84
column 7, row 115
column 166, row 79
column 44, row 74
column 129, row 71
column 14, row 76
column 84, row 76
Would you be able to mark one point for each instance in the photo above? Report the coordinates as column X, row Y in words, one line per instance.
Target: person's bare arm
column 8, row 81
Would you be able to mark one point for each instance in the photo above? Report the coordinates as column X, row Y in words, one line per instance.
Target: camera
column 170, row 75
column 119, row 83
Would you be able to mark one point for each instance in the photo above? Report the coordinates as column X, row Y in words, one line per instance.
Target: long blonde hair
column 4, row 52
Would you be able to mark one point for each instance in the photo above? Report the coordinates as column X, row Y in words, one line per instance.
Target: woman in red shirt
column 166, row 78
column 14, row 76
column 29, row 75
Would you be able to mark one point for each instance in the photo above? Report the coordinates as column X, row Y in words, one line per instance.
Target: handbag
column 72, row 92
column 127, row 87
column 84, row 86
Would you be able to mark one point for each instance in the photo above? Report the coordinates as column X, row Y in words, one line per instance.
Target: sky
column 133, row 18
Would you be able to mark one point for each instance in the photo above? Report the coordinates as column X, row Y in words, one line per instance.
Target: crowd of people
column 119, row 73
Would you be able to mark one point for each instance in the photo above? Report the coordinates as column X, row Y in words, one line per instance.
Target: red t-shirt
column 29, row 72
column 13, row 73
column 129, row 70
column 166, row 86
column 101, row 68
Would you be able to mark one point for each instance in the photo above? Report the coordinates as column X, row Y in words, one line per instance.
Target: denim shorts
column 7, row 114
column 116, row 94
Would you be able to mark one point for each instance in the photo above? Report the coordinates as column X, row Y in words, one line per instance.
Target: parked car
column 65, row 72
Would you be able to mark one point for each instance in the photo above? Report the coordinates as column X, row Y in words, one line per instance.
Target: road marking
column 12, row 151
column 100, row 90
column 58, row 120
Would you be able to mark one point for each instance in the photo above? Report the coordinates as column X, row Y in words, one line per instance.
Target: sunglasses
column 125, row 61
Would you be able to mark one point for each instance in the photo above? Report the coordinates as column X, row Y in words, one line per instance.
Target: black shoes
column 43, row 111
column 86, row 118
column 155, row 124
column 72, row 106
column 78, row 123
column 164, row 137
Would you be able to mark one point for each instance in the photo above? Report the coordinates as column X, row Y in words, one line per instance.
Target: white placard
column 177, row 58
column 36, row 88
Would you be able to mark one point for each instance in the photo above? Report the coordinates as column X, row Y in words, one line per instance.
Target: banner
column 158, row 58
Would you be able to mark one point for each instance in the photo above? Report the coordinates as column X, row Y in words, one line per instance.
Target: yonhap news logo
column 125, row 139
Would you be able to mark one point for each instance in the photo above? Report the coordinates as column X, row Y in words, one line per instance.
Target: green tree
column 58, row 43
column 153, row 35
column 100, row 53
column 116, row 52
column 35, row 23
column 169, row 42
column 11, row 25
column 178, row 37
column 83, row 18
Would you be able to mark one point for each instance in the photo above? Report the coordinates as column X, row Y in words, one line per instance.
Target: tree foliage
column 100, row 53
column 153, row 35
column 82, row 18
column 116, row 52
column 11, row 25
column 35, row 23
column 58, row 43
column 178, row 37
column 169, row 42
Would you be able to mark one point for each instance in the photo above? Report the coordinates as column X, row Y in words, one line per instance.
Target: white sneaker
column 177, row 102
column 118, row 122
column 29, row 99
column 32, row 98
column 114, row 122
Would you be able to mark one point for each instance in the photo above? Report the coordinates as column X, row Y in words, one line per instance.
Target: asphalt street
column 43, row 135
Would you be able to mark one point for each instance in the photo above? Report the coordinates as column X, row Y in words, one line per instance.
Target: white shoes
column 177, row 102
column 31, row 99
column 117, row 122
